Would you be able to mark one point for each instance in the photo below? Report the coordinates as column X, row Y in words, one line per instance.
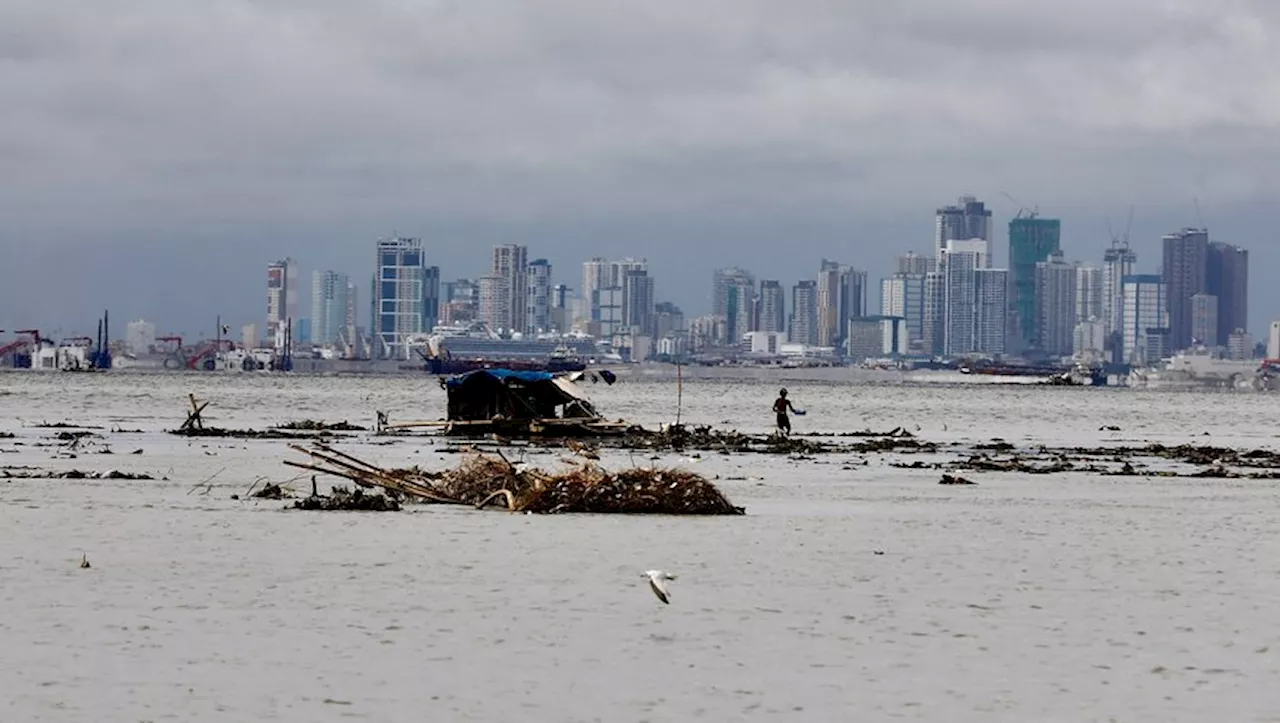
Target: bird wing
column 659, row 590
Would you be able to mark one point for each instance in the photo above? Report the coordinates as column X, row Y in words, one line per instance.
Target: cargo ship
column 458, row 350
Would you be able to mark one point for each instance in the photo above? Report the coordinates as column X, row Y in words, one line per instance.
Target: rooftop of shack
column 486, row 393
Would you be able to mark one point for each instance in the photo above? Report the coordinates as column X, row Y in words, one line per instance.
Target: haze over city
column 159, row 156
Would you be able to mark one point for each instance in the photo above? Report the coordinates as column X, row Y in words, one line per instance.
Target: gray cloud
column 161, row 139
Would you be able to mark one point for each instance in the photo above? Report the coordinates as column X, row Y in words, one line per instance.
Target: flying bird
column 658, row 583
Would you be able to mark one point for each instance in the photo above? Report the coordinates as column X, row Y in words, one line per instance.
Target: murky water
column 1046, row 598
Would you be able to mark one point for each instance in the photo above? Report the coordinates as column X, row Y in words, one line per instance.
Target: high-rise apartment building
column 1117, row 263
column 638, row 300
column 283, row 280
column 1031, row 241
column 1145, row 331
column 1056, row 302
column 406, row 295
column 842, row 295
column 538, row 301
column 933, row 327
column 804, row 313
column 970, row 324
column 902, row 296
column 1227, row 277
column 773, row 313
column 494, row 309
column 733, row 294
column 828, row 303
column 329, row 306
column 1090, row 294
column 968, row 219
column 511, row 263
column 1185, row 273
column 599, row 273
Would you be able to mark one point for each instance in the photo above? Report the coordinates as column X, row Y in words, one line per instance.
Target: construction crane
column 1121, row 241
column 1022, row 207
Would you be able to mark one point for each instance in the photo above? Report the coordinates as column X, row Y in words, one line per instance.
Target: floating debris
column 311, row 425
column 340, row 499
column 218, row 432
column 953, row 480
column 271, row 492
column 482, row 480
column 35, row 473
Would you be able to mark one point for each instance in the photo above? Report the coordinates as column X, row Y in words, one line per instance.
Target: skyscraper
column 1185, row 274
column 1090, row 294
column 638, row 301
column 1228, row 279
column 828, row 303
column 1031, row 240
column 1117, row 263
column 599, row 273
column 406, row 295
column 511, row 262
column 539, row 301
column 993, row 310
column 842, row 295
column 773, row 314
column 960, row 263
column 853, row 297
column 732, row 295
column 804, row 313
column 1145, row 330
column 970, row 324
column 329, row 303
column 968, row 219
column 933, row 332
column 283, row 280
column 1056, row 302
column 494, row 309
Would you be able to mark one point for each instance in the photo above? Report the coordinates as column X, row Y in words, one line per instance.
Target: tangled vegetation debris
column 271, row 491
column 311, row 425
column 483, row 480
column 340, row 499
column 218, row 432
column 35, row 473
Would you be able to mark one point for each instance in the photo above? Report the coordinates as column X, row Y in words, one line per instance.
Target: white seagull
column 658, row 583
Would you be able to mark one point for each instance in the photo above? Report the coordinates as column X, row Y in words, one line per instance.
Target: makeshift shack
column 503, row 394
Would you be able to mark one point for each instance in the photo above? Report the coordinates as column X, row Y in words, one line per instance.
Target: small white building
column 1273, row 341
column 766, row 342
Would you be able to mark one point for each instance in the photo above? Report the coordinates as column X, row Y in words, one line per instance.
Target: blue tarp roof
column 503, row 375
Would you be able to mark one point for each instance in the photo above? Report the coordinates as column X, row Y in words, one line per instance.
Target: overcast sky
column 157, row 154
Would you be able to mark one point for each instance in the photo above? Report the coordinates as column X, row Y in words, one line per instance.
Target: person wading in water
column 780, row 408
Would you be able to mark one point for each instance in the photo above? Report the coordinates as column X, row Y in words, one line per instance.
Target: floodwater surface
column 852, row 590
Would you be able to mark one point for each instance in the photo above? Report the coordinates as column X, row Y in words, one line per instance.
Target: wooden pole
column 679, row 392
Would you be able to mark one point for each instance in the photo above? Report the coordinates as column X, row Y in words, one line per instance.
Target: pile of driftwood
column 483, row 480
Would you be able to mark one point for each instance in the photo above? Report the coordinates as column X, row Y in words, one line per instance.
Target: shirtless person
column 780, row 408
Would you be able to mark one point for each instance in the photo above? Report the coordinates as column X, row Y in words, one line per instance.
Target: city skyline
column 828, row 275
column 158, row 181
